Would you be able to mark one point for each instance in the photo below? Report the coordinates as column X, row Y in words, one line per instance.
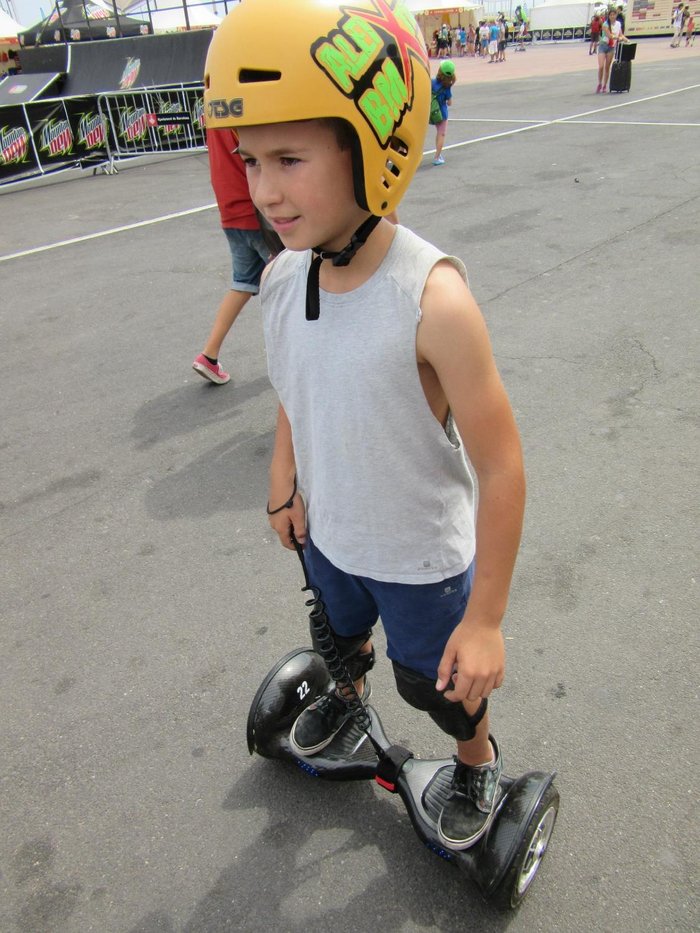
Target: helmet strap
column 342, row 258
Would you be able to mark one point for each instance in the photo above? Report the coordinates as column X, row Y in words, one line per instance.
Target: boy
column 379, row 356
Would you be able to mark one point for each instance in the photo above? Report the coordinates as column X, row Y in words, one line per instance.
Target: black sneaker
column 319, row 724
column 469, row 809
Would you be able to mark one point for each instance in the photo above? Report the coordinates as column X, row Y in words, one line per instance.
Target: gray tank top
column 388, row 490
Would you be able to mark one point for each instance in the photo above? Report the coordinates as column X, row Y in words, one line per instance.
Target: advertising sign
column 654, row 17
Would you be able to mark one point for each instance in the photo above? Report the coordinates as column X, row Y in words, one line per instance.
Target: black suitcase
column 620, row 77
column 621, row 71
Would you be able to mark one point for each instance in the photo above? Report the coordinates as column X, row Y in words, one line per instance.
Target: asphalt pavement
column 144, row 597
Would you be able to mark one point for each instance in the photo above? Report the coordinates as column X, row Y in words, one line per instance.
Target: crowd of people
column 487, row 39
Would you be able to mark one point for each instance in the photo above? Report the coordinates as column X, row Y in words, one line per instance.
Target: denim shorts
column 418, row 619
column 249, row 256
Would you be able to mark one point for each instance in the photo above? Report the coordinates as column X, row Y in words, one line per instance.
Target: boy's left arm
column 454, row 342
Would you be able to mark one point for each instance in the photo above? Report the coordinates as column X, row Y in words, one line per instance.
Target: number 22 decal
column 303, row 689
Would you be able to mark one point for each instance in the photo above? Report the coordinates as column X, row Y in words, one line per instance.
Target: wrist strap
column 287, row 505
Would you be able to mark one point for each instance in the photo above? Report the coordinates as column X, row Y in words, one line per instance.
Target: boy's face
column 301, row 181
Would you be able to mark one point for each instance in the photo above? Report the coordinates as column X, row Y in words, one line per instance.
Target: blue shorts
column 249, row 256
column 418, row 619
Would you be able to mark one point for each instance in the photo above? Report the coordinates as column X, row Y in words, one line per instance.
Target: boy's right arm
column 283, row 484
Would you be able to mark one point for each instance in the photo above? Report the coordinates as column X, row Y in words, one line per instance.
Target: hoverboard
column 502, row 864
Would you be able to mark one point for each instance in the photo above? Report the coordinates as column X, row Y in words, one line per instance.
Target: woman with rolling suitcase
column 610, row 36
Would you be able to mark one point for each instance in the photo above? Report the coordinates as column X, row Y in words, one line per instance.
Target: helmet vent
column 257, row 75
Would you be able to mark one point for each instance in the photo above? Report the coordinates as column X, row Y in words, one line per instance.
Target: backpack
column 435, row 111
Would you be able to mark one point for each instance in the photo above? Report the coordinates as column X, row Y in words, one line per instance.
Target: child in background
column 442, row 89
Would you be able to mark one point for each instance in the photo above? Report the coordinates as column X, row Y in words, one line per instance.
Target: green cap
column 447, row 68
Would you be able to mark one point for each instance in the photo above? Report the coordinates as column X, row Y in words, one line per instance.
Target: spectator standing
column 462, row 33
column 249, row 247
column 484, row 39
column 494, row 31
column 596, row 26
column 471, row 41
column 690, row 30
column 502, row 41
column 678, row 20
column 443, row 42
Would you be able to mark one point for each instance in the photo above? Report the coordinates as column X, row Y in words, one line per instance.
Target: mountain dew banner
column 91, row 130
column 34, row 138
column 17, row 153
column 41, row 136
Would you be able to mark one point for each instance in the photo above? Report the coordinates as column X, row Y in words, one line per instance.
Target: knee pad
column 419, row 691
column 349, row 650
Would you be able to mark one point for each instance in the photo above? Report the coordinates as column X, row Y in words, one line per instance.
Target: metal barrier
column 54, row 134
column 161, row 120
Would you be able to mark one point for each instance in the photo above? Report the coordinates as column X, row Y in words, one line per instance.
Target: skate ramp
column 20, row 89
column 123, row 64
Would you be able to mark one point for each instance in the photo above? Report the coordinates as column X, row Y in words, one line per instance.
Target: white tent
column 200, row 17
column 560, row 14
column 9, row 27
column 446, row 6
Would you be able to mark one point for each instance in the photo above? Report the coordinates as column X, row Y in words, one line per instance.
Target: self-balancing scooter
column 503, row 863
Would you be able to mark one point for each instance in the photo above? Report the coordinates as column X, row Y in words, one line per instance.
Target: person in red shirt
column 251, row 247
column 596, row 25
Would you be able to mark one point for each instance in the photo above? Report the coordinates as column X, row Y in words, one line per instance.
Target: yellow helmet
column 274, row 61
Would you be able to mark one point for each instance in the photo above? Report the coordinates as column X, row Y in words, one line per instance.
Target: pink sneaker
column 213, row 373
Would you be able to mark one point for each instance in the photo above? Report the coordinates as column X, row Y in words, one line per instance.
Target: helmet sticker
column 370, row 57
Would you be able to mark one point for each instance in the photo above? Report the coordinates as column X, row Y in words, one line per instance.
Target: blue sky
column 29, row 11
